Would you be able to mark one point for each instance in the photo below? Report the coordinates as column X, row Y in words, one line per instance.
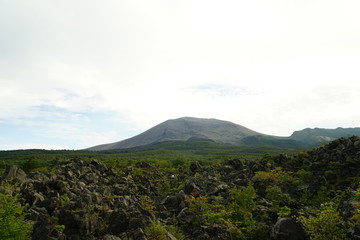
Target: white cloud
column 273, row 66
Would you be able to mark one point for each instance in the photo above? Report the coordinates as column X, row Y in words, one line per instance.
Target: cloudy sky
column 74, row 74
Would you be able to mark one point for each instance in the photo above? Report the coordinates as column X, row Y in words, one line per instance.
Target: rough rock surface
column 88, row 200
column 287, row 228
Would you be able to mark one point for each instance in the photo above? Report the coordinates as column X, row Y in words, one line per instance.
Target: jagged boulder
column 13, row 173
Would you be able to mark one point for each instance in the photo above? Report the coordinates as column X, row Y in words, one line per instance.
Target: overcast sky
column 74, row 74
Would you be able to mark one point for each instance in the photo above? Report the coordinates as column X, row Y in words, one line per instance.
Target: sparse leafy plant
column 60, row 228
column 64, row 200
column 285, row 211
column 148, row 204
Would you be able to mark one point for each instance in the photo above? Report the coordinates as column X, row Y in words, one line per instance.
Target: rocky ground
column 89, row 200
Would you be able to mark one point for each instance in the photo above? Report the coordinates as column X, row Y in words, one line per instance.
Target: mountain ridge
column 226, row 132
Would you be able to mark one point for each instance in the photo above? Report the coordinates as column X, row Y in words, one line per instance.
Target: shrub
column 210, row 210
column 244, row 197
column 155, row 231
column 278, row 198
column 242, row 205
column 356, row 205
column 256, row 231
column 12, row 219
column 327, row 224
column 321, row 196
column 64, row 200
column 304, row 175
column 31, row 164
column 276, row 176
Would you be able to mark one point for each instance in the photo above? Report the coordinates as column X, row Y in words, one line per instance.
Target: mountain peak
column 183, row 129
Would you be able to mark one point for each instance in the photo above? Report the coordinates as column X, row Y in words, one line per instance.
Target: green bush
column 244, row 197
column 278, row 198
column 321, row 196
column 155, row 231
column 327, row 224
column 304, row 176
column 12, row 219
column 242, row 205
column 276, row 176
column 31, row 164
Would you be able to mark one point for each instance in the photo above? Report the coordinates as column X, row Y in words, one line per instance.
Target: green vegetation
column 174, row 152
column 236, row 215
column 155, row 230
column 12, row 218
column 327, row 224
column 192, row 188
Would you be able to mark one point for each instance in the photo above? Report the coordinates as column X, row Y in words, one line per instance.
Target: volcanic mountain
column 186, row 129
column 219, row 131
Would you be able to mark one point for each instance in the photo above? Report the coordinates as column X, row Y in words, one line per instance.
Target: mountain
column 314, row 136
column 185, row 129
column 219, row 131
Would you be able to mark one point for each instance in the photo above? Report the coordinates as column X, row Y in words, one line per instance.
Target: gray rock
column 192, row 189
column 37, row 198
column 286, row 229
column 195, row 167
column 119, row 222
column 100, row 167
column 139, row 234
column 13, row 173
column 170, row 236
column 110, row 237
column 171, row 203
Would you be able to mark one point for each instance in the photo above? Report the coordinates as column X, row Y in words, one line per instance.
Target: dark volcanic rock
column 14, row 173
column 195, row 167
column 119, row 222
column 287, row 228
column 86, row 200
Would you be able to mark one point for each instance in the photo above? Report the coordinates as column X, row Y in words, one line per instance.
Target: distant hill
column 219, row 131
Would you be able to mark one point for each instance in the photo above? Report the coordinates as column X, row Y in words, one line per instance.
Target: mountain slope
column 273, row 141
column 183, row 129
column 315, row 136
